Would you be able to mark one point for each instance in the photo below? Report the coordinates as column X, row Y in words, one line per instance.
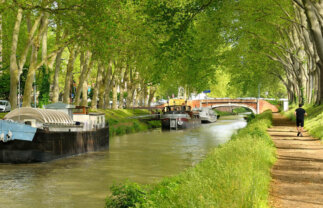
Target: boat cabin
column 91, row 121
column 179, row 108
column 43, row 119
column 59, row 106
column 58, row 118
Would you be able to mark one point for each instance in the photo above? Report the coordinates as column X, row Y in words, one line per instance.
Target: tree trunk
column 152, row 92
column 316, row 30
column 86, row 66
column 138, row 97
column 84, row 94
column 58, row 61
column 121, row 88
column 13, row 62
column 69, row 73
column 44, row 43
column 146, row 94
column 34, row 65
column 114, row 95
column 111, row 75
column 123, row 79
column 30, row 77
column 103, row 85
column 94, row 102
column 130, row 89
column 129, row 94
column 55, row 91
column 107, row 96
column 31, row 33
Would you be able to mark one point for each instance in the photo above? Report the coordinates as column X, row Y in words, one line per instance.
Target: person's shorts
column 299, row 123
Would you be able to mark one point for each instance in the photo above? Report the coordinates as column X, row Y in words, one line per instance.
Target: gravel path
column 297, row 176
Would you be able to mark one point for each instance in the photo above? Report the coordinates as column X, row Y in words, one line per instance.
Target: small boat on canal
column 179, row 117
column 207, row 115
column 38, row 135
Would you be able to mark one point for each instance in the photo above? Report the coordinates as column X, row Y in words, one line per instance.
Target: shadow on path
column 297, row 176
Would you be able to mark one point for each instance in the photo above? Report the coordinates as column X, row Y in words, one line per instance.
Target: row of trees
column 130, row 46
column 278, row 41
column 300, row 50
column 90, row 33
column 146, row 48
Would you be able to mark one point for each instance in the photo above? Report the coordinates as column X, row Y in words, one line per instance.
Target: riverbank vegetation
column 236, row 174
column 2, row 115
column 313, row 122
column 126, row 121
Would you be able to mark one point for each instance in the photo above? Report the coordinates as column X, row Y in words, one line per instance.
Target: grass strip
column 2, row 115
column 119, row 122
column 236, row 174
column 314, row 120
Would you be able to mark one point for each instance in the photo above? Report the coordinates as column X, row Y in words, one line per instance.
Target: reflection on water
column 84, row 181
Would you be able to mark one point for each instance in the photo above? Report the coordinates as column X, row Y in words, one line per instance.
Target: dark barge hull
column 186, row 124
column 48, row 146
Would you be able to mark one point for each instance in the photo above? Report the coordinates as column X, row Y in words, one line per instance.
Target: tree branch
column 299, row 4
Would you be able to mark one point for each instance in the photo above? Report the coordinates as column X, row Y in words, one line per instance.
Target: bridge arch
column 235, row 105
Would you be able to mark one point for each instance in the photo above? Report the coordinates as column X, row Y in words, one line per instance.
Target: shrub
column 127, row 195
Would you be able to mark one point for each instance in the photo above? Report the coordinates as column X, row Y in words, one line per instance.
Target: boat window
column 28, row 123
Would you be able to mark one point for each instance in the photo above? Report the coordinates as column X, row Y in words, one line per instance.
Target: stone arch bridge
column 257, row 106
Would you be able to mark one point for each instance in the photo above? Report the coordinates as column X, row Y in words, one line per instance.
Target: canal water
column 84, row 180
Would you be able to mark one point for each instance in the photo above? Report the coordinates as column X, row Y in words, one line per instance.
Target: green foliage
column 127, row 195
column 2, row 115
column 250, row 117
column 195, row 44
column 43, row 82
column 4, row 86
column 236, row 174
column 222, row 113
column 241, row 110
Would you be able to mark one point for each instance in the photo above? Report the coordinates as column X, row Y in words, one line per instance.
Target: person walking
column 300, row 113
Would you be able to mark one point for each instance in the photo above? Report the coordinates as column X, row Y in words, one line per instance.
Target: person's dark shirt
column 300, row 112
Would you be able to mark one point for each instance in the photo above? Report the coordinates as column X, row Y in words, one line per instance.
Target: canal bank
column 123, row 121
column 236, row 174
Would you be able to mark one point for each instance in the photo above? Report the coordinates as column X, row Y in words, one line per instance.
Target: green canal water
column 84, row 180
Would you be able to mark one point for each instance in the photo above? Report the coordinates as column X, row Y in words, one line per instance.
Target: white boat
column 207, row 115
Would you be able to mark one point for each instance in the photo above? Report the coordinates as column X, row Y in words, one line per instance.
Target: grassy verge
column 119, row 122
column 237, row 174
column 314, row 120
column 2, row 115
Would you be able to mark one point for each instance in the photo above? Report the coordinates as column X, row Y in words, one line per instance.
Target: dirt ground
column 297, row 176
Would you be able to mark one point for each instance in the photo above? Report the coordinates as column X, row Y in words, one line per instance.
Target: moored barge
column 38, row 135
column 179, row 117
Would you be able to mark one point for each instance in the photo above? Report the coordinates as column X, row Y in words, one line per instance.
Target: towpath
column 297, row 176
